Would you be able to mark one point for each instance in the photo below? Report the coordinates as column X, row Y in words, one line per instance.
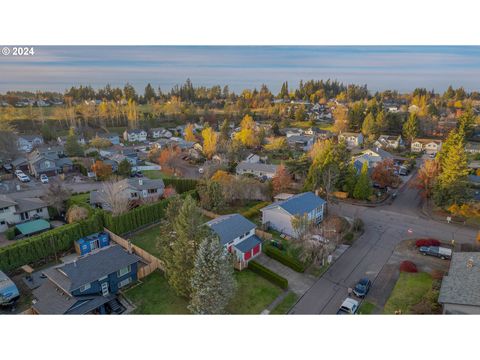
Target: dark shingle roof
column 267, row 168
column 299, row 204
column 462, row 284
column 91, row 267
column 248, row 244
column 229, row 227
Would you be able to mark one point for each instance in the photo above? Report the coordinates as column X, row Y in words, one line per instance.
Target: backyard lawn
column 155, row 296
column 409, row 290
column 148, row 240
column 285, row 305
column 155, row 174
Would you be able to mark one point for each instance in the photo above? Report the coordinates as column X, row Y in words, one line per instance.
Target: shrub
column 181, row 185
column 408, row 266
column 10, row 233
column 357, row 224
column 283, row 258
column 427, row 242
column 77, row 213
column 254, row 210
column 348, row 237
column 268, row 274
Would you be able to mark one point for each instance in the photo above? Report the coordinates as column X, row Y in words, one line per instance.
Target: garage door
column 247, row 255
column 256, row 250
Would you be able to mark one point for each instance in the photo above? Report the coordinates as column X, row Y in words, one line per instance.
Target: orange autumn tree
column 168, row 159
column 384, row 173
column 282, row 180
column 101, row 169
column 426, row 178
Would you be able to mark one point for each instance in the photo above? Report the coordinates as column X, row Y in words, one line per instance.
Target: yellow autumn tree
column 189, row 135
column 210, row 139
column 248, row 133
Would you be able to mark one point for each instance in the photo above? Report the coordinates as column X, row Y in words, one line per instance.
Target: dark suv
column 362, row 287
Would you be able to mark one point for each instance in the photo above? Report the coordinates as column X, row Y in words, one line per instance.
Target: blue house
column 87, row 285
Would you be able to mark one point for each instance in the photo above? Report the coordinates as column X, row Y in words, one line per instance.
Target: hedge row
column 48, row 243
column 136, row 218
column 268, row 274
column 283, row 258
column 255, row 210
column 181, row 185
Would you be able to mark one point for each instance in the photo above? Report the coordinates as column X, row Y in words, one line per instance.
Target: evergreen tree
column 350, row 180
column 452, row 180
column 185, row 226
column 72, row 147
column 149, row 93
column 124, row 168
column 213, row 282
column 368, row 126
column 363, row 188
column 224, row 130
column 410, row 128
column 381, row 122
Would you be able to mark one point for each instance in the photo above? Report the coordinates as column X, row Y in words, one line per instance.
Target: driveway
column 385, row 227
column 299, row 283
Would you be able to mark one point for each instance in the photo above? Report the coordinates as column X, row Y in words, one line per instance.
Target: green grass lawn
column 254, row 293
column 238, row 207
column 148, row 240
column 408, row 291
column 155, row 174
column 366, row 308
column 285, row 305
column 155, row 296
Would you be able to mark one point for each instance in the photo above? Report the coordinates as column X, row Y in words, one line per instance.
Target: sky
column 401, row 68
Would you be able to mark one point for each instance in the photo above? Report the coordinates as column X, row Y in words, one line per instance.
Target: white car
column 44, row 179
column 19, row 172
column 349, row 306
column 23, row 178
column 200, row 170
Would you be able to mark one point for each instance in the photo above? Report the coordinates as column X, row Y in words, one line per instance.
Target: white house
column 389, row 142
column 26, row 143
column 428, row 145
column 20, row 210
column 252, row 159
column 257, row 169
column 301, row 142
column 292, row 132
column 135, row 135
column 157, row 133
column 279, row 214
column 351, row 139
column 237, row 235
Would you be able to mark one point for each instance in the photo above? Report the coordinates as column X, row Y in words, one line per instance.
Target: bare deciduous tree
column 114, row 197
column 56, row 195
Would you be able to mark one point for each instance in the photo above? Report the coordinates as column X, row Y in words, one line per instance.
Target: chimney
column 140, row 181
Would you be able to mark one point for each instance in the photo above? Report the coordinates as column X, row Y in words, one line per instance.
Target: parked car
column 403, row 171
column 362, row 287
column 22, row 177
column 44, row 179
column 18, row 172
column 200, row 170
column 8, row 291
column 440, row 252
column 349, row 307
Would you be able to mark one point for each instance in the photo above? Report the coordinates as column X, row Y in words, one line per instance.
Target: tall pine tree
column 213, row 282
column 363, row 188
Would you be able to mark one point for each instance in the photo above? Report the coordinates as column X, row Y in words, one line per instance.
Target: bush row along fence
column 152, row 262
column 181, row 185
column 48, row 244
column 268, row 274
column 283, row 258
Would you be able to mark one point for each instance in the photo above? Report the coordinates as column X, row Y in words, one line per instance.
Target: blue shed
column 92, row 242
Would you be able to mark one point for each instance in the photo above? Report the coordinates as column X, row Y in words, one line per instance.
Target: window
column 124, row 282
column 85, row 287
column 2, row 222
column 39, row 211
column 152, row 191
column 2, row 210
column 102, row 278
column 123, row 271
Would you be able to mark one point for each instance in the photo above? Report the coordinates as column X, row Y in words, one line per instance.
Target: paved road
column 39, row 189
column 385, row 227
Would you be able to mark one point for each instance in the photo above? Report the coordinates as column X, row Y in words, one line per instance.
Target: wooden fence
column 153, row 263
column 209, row 214
column 263, row 234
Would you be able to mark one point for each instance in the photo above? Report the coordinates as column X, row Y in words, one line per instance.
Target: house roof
column 299, row 138
column 91, row 267
column 461, row 284
column 298, row 204
column 22, row 205
column 427, row 141
column 32, row 227
column 19, row 161
column 248, row 244
column 267, row 168
column 143, row 184
column 350, row 134
column 229, row 227
column 51, row 300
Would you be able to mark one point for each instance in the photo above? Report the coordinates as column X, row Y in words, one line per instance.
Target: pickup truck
column 349, row 307
column 440, row 252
